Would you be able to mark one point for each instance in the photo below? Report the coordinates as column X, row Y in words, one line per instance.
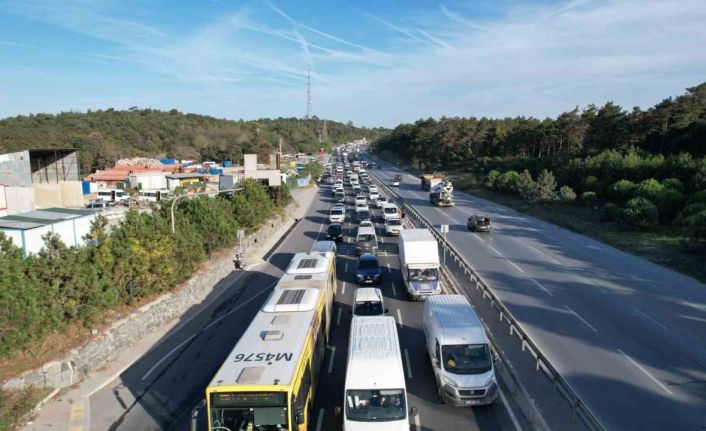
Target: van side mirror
column 299, row 415
column 435, row 362
column 413, row 412
column 387, row 311
column 337, row 410
column 496, row 359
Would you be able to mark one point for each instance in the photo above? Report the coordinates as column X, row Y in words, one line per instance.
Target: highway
column 628, row 335
column 162, row 388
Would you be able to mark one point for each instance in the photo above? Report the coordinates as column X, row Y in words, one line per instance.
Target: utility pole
column 308, row 92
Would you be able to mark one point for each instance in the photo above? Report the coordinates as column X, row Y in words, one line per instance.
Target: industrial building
column 27, row 229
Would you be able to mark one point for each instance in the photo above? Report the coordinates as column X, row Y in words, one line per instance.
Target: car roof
column 367, row 257
column 368, row 294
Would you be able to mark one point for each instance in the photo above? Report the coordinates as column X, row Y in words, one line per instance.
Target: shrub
column 507, row 182
column 669, row 202
column 492, row 179
column 611, row 212
column 697, row 228
column 590, row 184
column 621, row 191
column 589, row 197
column 650, row 189
column 567, row 194
column 685, row 215
column 546, row 186
column 640, row 213
column 525, row 186
column 698, row 197
column 674, row 184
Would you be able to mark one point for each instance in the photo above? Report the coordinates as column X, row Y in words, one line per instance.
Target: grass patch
column 17, row 405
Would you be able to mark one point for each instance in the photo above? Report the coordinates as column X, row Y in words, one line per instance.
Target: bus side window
column 303, row 392
column 319, row 349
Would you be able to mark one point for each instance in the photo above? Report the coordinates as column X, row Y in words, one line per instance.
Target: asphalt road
column 162, row 388
column 628, row 335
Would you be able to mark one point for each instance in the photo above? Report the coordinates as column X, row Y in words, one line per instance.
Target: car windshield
column 362, row 215
column 466, row 358
column 428, row 274
column 249, row 410
column 375, row 405
column 335, row 228
column 366, row 237
column 390, row 210
column 336, row 211
column 368, row 308
column 394, row 222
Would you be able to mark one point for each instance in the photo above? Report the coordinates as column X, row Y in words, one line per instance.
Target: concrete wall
column 19, row 199
column 15, row 169
column 123, row 333
column 3, row 201
column 47, row 195
column 71, row 194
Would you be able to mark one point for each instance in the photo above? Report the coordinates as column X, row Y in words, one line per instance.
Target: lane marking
column 330, row 362
column 408, row 363
column 509, row 410
column 649, row 318
column 493, row 248
column 77, row 411
column 394, row 291
column 343, row 288
column 399, row 317
column 171, row 352
column 338, row 317
column 517, row 267
column 320, row 419
column 541, row 286
column 581, row 318
column 346, row 270
column 653, row 378
column 417, row 423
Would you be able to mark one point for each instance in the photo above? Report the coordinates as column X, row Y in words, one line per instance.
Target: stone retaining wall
column 148, row 318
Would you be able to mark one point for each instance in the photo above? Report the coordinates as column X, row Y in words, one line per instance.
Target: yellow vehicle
column 269, row 380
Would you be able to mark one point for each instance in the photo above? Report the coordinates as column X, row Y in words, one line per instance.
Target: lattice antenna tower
column 308, row 92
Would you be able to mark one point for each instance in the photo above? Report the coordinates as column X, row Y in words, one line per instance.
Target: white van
column 460, row 352
column 368, row 301
column 375, row 394
column 390, row 211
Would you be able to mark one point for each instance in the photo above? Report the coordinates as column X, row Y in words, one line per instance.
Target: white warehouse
column 27, row 229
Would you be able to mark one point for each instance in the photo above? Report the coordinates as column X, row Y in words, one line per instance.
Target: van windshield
column 390, row 210
column 428, row 274
column 375, row 405
column 466, row 358
column 368, row 308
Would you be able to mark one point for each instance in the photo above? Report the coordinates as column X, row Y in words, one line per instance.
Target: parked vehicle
column 375, row 396
column 419, row 263
column 368, row 270
column 337, row 215
column 366, row 241
column 393, row 226
column 368, row 301
column 113, row 195
column 479, row 223
column 460, row 352
column 98, row 204
column 335, row 232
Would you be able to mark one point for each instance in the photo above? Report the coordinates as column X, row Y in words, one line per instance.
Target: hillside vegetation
column 642, row 171
column 105, row 136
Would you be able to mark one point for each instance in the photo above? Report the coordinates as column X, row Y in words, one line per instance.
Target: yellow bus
column 269, row 380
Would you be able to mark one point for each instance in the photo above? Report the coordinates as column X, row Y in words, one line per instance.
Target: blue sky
column 376, row 63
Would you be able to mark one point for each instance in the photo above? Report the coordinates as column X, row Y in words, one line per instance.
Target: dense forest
column 639, row 167
column 105, row 136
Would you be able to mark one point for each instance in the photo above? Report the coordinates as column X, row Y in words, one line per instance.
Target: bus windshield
column 257, row 411
column 466, row 358
column 375, row 405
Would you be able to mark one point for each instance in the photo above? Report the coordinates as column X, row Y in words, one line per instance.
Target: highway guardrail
column 579, row 409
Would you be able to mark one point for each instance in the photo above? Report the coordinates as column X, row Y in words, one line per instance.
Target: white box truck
column 459, row 350
column 375, row 394
column 419, row 263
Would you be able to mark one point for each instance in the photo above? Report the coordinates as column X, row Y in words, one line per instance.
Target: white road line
column 394, row 291
column 399, row 317
column 320, row 420
column 389, row 270
column 580, row 318
column 542, row 287
column 330, row 361
column 653, row 378
column 649, row 318
column 509, row 410
column 338, row 317
column 171, row 352
column 493, row 248
column 517, row 267
column 343, row 288
column 417, row 423
column 409, row 366
column 346, row 267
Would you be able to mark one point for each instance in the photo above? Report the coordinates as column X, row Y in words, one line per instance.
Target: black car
column 335, row 232
column 479, row 223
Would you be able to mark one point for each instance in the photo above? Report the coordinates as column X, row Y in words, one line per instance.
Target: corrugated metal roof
column 39, row 218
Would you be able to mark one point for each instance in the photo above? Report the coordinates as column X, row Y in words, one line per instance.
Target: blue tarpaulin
column 86, row 187
column 227, row 163
column 168, row 161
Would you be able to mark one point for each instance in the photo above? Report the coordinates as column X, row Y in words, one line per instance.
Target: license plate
column 472, row 402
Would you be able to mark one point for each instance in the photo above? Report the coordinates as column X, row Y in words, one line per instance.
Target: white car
column 381, row 201
column 373, row 188
column 390, row 211
column 339, row 205
column 395, row 183
column 366, row 223
column 393, row 226
column 337, row 215
column 374, row 196
column 361, row 206
column 368, row 301
column 360, row 198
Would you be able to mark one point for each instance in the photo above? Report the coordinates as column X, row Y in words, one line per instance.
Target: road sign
column 241, row 233
column 444, row 228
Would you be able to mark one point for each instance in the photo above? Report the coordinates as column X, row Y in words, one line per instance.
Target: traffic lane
column 621, row 366
column 143, row 384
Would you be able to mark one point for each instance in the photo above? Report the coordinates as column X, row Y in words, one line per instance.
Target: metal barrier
column 530, row 408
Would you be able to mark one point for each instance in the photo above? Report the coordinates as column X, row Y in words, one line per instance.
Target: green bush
column 673, row 183
column 697, row 228
column 491, row 179
column 507, row 182
column 621, row 191
column 650, row 189
column 546, row 186
column 697, row 197
column 669, row 202
column 589, row 197
column 567, row 194
column 640, row 213
column 525, row 186
column 590, row 184
column 611, row 212
column 685, row 215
